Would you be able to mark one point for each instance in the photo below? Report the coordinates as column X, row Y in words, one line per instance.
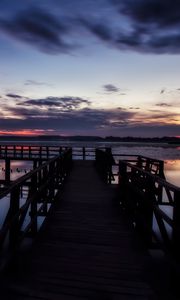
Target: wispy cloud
column 163, row 104
column 36, row 83
column 136, row 108
column 10, row 95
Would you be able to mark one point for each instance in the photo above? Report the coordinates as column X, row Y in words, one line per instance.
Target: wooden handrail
column 156, row 178
column 155, row 167
column 142, row 195
column 42, row 187
column 142, row 191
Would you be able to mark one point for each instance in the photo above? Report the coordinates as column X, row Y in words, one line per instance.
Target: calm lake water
column 169, row 153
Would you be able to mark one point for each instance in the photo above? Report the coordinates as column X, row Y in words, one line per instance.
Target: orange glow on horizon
column 24, row 132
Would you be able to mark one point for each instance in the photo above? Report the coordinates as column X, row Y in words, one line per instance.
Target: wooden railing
column 26, row 152
column 29, row 152
column 83, row 153
column 153, row 204
column 30, row 197
column 106, row 162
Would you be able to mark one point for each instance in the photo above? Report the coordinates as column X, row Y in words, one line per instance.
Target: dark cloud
column 38, row 28
column 84, row 119
column 160, row 13
column 91, row 121
column 154, row 25
column 14, row 96
column 61, row 103
column 110, row 88
column 73, row 114
column 99, row 29
column 162, row 104
column 58, row 113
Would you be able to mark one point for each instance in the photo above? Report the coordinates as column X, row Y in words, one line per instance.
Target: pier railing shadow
column 31, row 197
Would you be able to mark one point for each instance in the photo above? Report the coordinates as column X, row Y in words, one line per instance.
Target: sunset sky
column 90, row 67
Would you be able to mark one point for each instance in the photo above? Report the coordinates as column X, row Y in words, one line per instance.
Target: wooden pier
column 87, row 248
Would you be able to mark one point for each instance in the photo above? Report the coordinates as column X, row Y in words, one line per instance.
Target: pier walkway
column 86, row 249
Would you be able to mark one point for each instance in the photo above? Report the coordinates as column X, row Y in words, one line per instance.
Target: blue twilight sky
column 90, row 67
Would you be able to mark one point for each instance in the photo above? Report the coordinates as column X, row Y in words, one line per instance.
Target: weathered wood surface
column 86, row 250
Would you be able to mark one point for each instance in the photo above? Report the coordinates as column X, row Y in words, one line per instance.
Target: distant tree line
column 165, row 139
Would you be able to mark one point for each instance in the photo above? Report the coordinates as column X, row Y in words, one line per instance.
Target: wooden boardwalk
column 86, row 249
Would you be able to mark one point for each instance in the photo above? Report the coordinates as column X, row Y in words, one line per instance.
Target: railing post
column 176, row 227
column 7, row 170
column 14, row 209
column 35, row 163
column 161, row 169
column 29, row 151
column 109, row 161
column 122, row 181
column 67, row 161
column 96, row 157
column 52, row 180
column 84, row 153
column 47, row 152
column 22, row 152
column 147, row 210
column 6, row 152
column 139, row 162
column 147, row 165
column 33, row 213
column 40, row 152
column 45, row 190
column 14, row 150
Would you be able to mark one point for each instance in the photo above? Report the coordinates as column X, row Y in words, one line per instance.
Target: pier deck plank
column 86, row 250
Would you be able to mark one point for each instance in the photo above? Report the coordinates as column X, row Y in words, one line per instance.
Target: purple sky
column 104, row 67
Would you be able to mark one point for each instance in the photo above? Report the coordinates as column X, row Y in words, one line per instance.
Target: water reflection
column 172, row 171
column 18, row 169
